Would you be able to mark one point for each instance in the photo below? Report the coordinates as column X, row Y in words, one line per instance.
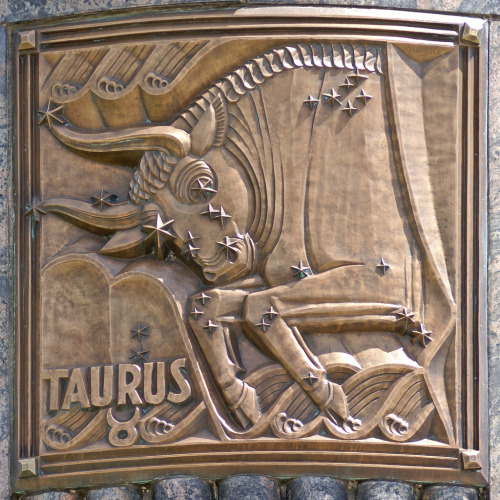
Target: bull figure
column 285, row 186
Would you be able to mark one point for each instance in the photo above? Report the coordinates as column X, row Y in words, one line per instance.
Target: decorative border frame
column 467, row 464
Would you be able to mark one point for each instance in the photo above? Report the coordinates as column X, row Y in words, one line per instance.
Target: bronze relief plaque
column 250, row 242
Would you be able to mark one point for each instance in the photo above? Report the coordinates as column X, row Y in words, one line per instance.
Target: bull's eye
column 193, row 182
column 202, row 188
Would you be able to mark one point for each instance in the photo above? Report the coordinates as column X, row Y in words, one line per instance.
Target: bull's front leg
column 263, row 321
column 210, row 313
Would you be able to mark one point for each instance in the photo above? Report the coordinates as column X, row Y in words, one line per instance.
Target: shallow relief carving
column 315, row 239
column 250, row 247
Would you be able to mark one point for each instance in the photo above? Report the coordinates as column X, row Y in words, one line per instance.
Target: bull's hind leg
column 208, row 311
column 263, row 321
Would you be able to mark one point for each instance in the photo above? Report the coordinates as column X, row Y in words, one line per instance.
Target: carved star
column 363, row 96
column 383, row 267
column 140, row 331
column 203, row 298
column 263, row 325
column 347, row 84
column 311, row 379
column 228, row 245
column 51, row 113
column 421, row 335
column 103, row 199
column 222, row 216
column 210, row 327
column 271, row 314
column 359, row 77
column 331, row 98
column 196, row 313
column 139, row 356
column 204, row 188
column 311, row 101
column 349, row 108
column 191, row 238
column 407, row 317
column 191, row 250
column 36, row 211
column 211, row 212
column 160, row 233
column 301, row 271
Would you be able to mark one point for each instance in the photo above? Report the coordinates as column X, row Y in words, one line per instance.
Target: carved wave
column 74, row 429
column 168, row 423
column 72, row 71
column 389, row 400
column 60, row 89
column 165, row 423
column 113, row 72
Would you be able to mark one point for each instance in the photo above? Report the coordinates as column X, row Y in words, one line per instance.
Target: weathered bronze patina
column 255, row 252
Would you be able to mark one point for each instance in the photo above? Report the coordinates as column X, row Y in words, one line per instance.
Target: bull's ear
column 211, row 128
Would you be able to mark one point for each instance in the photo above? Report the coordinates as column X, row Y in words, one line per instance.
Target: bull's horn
column 118, row 217
column 171, row 140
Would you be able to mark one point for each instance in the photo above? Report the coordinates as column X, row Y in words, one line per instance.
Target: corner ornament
column 470, row 33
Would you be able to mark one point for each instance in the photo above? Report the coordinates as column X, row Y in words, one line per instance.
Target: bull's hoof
column 351, row 424
column 246, row 411
column 338, row 409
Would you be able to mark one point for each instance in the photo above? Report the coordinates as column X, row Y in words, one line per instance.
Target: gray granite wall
column 28, row 10
column 5, row 272
column 16, row 11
